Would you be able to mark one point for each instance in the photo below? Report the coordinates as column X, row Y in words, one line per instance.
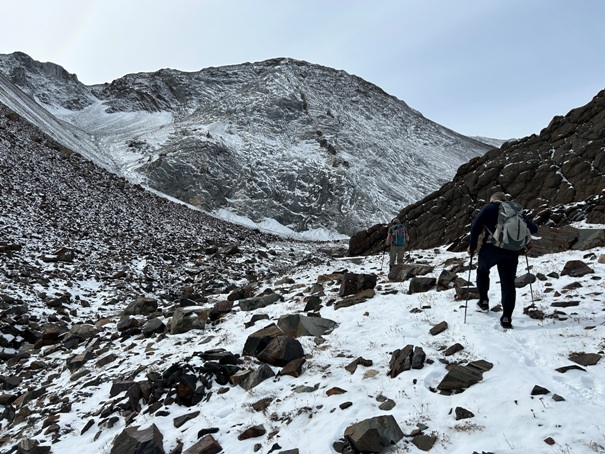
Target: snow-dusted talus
column 64, row 133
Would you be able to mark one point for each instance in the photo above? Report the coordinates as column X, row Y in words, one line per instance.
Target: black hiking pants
column 506, row 261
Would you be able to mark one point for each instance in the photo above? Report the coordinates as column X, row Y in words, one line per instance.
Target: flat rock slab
column 568, row 368
column 586, row 359
column 565, row 304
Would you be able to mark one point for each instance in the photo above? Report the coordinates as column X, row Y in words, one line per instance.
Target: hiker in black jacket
column 490, row 255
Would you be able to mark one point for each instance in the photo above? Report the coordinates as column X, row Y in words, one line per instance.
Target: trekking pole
column 382, row 261
column 467, row 287
column 530, row 279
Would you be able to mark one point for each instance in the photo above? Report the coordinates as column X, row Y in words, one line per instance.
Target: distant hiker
column 507, row 234
column 397, row 237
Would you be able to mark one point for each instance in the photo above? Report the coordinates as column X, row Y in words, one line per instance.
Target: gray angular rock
column 407, row 358
column 294, row 368
column 252, row 432
column 585, row 359
column 181, row 420
column 387, row 405
column 453, row 349
column 32, row 446
column 153, row 326
column 418, row 358
column 438, row 328
column 525, row 279
column 463, row 413
column 446, row 280
column 539, row 390
column 352, row 367
column 466, row 291
column 84, row 330
column 399, row 273
column 424, row 442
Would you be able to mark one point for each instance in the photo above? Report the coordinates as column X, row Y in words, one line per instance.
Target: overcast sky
column 493, row 68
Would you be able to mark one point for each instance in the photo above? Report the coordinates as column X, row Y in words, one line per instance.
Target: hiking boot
column 505, row 323
column 483, row 305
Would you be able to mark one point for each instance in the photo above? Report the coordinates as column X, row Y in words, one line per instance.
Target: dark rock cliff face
column 558, row 176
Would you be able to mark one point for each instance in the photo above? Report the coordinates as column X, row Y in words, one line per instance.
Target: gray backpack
column 511, row 230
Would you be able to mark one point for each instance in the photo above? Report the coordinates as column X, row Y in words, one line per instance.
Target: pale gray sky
column 494, row 68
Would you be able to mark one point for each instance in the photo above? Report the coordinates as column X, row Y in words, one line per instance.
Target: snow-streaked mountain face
column 306, row 145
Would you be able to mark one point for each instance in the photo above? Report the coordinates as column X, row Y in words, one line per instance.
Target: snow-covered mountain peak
column 303, row 144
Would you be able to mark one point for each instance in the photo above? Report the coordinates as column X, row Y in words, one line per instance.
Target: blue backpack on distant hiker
column 398, row 234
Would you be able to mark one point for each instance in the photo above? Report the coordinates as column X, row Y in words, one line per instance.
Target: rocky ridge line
column 558, row 176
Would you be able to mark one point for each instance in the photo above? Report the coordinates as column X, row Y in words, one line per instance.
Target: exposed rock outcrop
column 558, row 176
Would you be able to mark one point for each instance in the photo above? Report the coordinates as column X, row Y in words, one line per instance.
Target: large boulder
column 296, row 325
column 353, row 283
column 374, row 434
column 144, row 441
column 188, row 318
column 206, row 445
column 258, row 302
column 421, row 284
column 258, row 341
column 460, row 377
column 281, row 350
column 576, row 268
column 368, row 241
column 141, row 306
column 256, row 377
